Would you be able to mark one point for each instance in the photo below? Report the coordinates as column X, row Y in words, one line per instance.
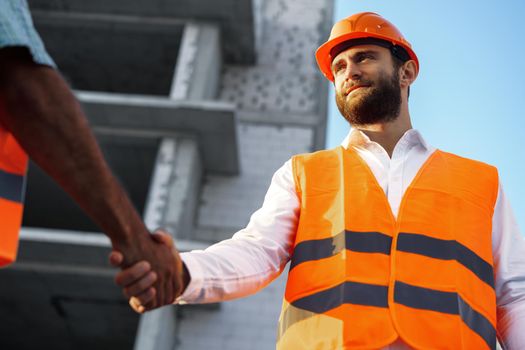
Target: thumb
column 116, row 258
column 163, row 237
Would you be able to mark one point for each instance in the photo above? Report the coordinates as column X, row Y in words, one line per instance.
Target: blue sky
column 471, row 85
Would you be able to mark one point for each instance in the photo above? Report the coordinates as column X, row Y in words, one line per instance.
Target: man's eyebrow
column 365, row 52
column 354, row 55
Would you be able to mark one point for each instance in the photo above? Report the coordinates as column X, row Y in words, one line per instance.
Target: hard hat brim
column 324, row 58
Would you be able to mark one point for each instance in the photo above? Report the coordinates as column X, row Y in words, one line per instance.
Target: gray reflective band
column 368, row 242
column 426, row 299
column 446, row 250
column 478, row 323
column 12, row 186
column 364, row 242
column 445, row 302
column 344, row 293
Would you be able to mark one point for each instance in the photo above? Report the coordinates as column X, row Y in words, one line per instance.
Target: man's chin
column 356, row 103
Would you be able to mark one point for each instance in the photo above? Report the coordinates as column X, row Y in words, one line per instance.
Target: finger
column 135, row 305
column 138, row 303
column 116, row 258
column 146, row 298
column 131, row 274
column 162, row 237
column 141, row 285
column 160, row 294
column 152, row 304
column 168, row 293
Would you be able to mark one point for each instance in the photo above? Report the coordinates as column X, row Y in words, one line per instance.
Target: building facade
column 195, row 104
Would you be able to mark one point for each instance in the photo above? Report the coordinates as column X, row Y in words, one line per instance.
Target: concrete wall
column 244, row 96
column 235, row 17
column 281, row 104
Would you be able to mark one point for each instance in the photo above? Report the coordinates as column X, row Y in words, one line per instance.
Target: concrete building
column 195, row 104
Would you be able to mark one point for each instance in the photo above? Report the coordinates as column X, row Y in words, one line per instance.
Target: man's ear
column 408, row 73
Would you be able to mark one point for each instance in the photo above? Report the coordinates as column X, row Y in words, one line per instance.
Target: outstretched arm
column 39, row 109
column 236, row 267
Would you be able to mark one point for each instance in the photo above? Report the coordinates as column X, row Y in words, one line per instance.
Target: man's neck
column 387, row 134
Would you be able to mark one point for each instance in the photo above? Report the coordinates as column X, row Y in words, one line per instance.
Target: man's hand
column 154, row 281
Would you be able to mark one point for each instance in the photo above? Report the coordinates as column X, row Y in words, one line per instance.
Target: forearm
column 40, row 110
column 232, row 269
column 255, row 255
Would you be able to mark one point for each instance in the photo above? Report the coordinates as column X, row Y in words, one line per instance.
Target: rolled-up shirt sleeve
column 17, row 30
column 509, row 263
column 254, row 256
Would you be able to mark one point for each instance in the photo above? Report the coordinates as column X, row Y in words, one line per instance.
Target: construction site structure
column 195, row 104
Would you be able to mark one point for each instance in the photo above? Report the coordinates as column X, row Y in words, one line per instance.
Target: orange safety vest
column 360, row 278
column 13, row 166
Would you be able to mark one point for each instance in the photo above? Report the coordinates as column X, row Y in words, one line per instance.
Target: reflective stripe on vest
column 375, row 242
column 11, row 186
column 13, row 164
column 365, row 278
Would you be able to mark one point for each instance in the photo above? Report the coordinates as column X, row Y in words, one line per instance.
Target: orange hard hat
column 362, row 28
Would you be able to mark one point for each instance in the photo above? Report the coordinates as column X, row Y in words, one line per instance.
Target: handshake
column 152, row 273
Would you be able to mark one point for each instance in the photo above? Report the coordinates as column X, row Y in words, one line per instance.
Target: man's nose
column 352, row 71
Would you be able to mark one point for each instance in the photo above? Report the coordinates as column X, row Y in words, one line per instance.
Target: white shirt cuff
column 193, row 290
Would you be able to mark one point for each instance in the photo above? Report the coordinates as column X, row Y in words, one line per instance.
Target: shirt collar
column 357, row 138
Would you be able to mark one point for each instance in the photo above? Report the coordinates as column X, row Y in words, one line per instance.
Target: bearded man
column 392, row 244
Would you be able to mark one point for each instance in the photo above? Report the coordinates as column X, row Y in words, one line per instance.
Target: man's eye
column 364, row 57
column 338, row 68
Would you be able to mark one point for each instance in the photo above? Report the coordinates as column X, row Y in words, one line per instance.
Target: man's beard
column 379, row 103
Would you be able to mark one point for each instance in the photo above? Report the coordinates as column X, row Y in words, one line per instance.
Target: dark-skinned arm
column 39, row 109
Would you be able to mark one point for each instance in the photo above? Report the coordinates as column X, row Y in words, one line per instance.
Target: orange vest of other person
column 13, row 165
column 360, row 278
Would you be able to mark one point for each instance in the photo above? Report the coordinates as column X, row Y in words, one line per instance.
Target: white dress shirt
column 257, row 254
